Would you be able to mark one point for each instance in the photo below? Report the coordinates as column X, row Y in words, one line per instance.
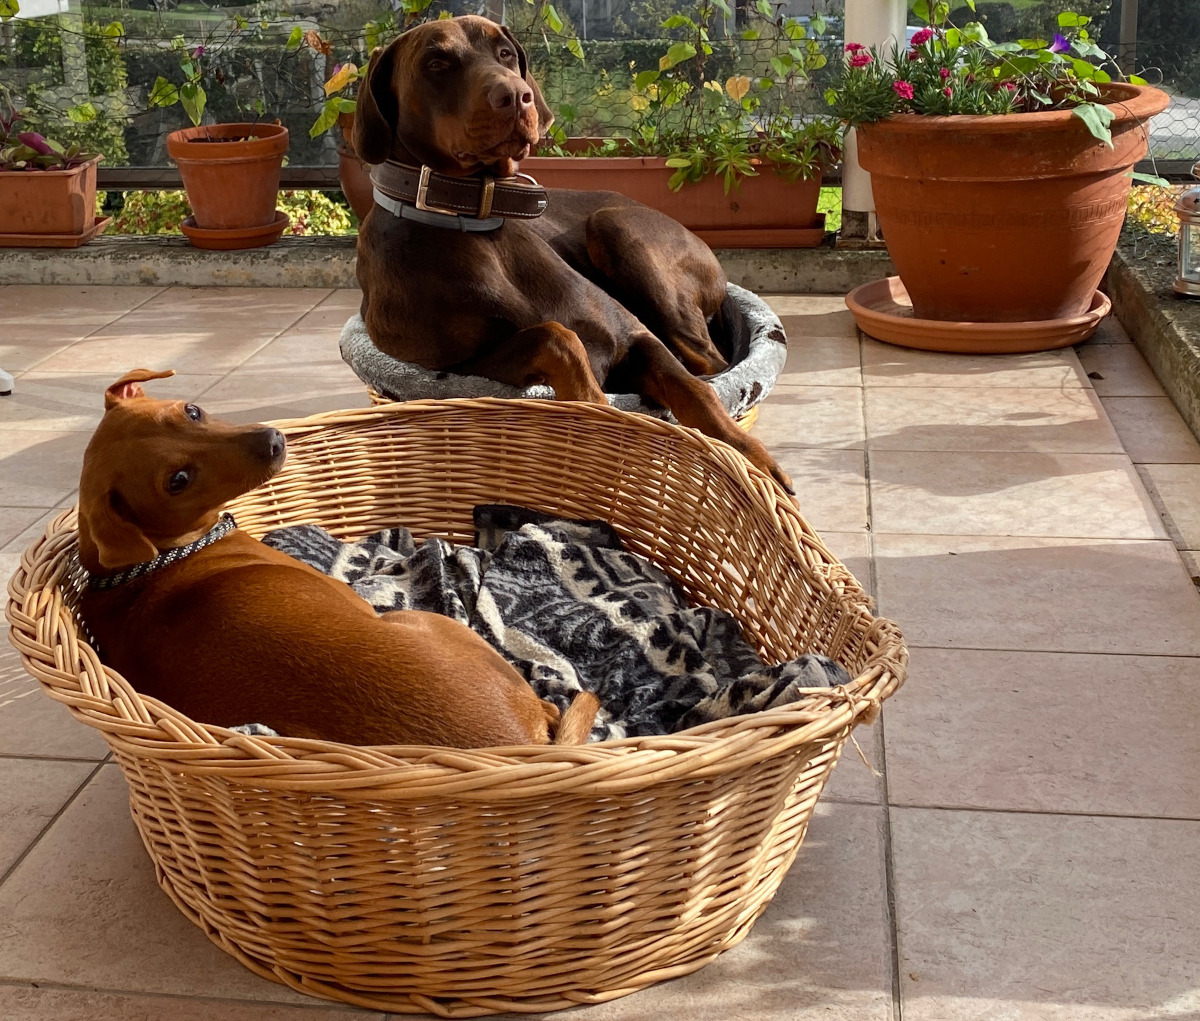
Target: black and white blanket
column 571, row 609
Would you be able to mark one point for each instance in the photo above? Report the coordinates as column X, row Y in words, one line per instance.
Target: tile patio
column 1032, row 848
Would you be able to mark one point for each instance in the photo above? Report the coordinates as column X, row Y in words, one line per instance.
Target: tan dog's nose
column 503, row 95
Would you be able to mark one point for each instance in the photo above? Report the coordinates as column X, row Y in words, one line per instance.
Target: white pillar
column 879, row 24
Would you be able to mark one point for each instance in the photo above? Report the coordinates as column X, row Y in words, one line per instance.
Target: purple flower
column 1061, row 43
column 198, row 51
column 35, row 142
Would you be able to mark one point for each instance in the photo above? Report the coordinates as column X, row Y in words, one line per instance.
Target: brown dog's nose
column 269, row 444
column 501, row 96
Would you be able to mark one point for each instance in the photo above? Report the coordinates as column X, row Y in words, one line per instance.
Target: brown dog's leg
column 547, row 353
column 695, row 403
column 666, row 276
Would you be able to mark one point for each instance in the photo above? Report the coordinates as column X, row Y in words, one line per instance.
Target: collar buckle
column 423, row 193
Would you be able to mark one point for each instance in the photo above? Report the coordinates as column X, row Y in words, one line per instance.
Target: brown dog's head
column 157, row 473
column 455, row 95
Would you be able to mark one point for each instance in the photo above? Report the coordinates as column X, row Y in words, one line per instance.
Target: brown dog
column 237, row 632
column 597, row 290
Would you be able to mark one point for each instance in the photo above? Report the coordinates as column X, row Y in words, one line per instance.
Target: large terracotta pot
column 353, row 174
column 762, row 211
column 39, row 206
column 1009, row 218
column 230, row 172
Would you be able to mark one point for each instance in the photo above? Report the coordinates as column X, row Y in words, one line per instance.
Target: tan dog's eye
column 193, row 412
column 178, row 482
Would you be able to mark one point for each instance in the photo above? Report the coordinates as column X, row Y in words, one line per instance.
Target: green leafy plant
column 160, row 212
column 950, row 70
column 215, row 62
column 24, row 149
column 708, row 122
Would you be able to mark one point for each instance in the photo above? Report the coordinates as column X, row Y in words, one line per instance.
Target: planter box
column 763, row 212
column 51, row 204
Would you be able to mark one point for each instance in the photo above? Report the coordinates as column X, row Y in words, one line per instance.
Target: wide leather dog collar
column 476, row 198
column 172, row 556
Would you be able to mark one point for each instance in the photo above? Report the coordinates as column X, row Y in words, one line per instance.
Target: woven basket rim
column 36, row 606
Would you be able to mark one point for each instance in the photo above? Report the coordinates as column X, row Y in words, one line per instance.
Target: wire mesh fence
column 117, row 75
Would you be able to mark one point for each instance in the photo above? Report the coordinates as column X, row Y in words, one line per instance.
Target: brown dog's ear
column 376, row 111
column 127, row 386
column 545, row 114
column 119, row 542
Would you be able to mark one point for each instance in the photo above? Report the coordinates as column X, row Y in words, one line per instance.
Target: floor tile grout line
column 1050, row 652
column 104, row 326
column 1048, row 812
column 49, row 824
column 67, row 987
column 889, row 872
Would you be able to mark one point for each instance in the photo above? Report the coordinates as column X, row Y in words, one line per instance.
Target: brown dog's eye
column 178, row 482
column 506, row 54
column 193, row 412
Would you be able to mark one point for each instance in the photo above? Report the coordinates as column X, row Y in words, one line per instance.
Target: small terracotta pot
column 1011, row 218
column 233, row 181
column 59, row 202
column 353, row 174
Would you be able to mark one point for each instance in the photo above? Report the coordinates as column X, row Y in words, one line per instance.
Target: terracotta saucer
column 882, row 310
column 55, row 240
column 239, row 237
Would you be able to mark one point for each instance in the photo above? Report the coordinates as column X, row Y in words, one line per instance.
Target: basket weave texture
column 468, row 882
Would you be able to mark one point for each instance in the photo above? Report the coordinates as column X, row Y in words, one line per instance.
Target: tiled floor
column 1033, row 847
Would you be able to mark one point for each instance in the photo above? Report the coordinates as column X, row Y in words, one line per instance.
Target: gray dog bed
column 757, row 342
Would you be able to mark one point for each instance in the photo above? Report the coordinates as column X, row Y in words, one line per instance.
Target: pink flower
column 922, row 37
column 903, row 89
column 947, row 92
column 854, row 47
column 914, row 55
column 198, row 51
column 1008, row 87
column 944, row 72
column 860, row 60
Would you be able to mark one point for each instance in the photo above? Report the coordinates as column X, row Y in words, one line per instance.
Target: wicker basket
column 746, row 421
column 526, row 879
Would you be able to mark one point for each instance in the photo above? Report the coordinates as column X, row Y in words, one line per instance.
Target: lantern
column 1188, row 209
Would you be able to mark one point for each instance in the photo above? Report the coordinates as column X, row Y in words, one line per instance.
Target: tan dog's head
column 157, row 473
column 455, row 95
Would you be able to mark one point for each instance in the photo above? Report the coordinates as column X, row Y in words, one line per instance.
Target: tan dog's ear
column 376, row 111
column 119, row 542
column 545, row 114
column 127, row 386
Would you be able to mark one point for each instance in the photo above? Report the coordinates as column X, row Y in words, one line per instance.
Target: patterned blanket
column 571, row 609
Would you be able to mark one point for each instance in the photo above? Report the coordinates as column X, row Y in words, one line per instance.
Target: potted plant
column 726, row 154
column 1000, row 171
column 47, row 190
column 230, row 171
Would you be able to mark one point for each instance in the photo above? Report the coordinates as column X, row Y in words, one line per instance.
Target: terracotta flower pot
column 1009, row 218
column 230, row 172
column 49, row 204
column 765, row 211
column 353, row 174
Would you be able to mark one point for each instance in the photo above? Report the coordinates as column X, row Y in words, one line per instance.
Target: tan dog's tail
column 576, row 722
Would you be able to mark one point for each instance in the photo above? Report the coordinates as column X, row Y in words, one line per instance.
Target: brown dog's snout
column 269, row 444
column 506, row 95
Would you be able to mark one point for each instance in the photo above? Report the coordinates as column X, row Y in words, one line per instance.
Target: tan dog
column 236, row 632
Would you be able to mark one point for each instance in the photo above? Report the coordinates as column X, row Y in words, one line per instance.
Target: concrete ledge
column 329, row 262
column 1163, row 326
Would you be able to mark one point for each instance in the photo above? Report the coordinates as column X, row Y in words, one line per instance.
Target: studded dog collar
column 167, row 557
